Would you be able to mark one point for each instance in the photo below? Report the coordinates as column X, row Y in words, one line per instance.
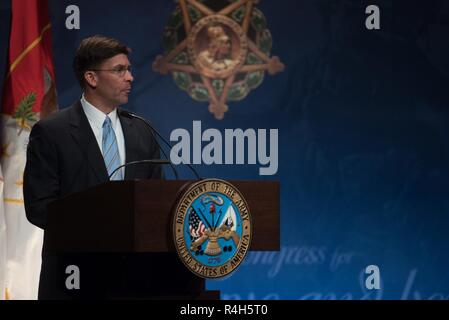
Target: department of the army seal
column 212, row 228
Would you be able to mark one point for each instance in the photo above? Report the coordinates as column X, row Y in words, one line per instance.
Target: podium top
column 136, row 216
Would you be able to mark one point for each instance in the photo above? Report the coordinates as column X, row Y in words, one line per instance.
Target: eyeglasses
column 119, row 70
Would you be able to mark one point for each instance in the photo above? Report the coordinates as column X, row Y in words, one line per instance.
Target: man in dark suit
column 80, row 146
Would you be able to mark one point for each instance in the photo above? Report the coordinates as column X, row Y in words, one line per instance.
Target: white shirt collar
column 95, row 116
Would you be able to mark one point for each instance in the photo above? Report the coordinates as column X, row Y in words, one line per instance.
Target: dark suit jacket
column 63, row 157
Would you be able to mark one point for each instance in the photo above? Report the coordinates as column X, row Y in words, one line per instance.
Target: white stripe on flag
column 23, row 240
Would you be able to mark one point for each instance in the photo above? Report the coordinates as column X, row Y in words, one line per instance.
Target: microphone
column 154, row 131
column 152, row 161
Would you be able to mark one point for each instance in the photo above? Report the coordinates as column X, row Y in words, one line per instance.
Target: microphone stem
column 164, row 141
column 138, row 162
column 175, row 172
column 152, row 131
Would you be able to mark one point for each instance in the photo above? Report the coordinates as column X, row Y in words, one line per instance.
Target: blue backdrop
column 363, row 137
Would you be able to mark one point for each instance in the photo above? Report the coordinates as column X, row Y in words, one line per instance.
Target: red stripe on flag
column 30, row 52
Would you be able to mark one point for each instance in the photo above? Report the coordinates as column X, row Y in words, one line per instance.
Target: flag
column 2, row 241
column 230, row 218
column 196, row 226
column 29, row 94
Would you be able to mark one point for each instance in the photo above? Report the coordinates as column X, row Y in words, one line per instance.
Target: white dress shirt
column 96, row 119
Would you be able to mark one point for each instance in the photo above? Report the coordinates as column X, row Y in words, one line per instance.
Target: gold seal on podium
column 212, row 228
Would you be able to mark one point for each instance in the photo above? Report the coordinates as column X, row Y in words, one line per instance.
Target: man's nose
column 129, row 76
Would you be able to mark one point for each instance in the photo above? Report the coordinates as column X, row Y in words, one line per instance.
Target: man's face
column 114, row 86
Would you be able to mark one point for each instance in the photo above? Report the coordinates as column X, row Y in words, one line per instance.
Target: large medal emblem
column 217, row 50
column 212, row 228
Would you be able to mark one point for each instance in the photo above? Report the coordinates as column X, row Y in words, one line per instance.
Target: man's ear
column 91, row 78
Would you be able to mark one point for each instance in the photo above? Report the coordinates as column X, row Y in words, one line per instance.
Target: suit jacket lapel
column 131, row 145
column 84, row 136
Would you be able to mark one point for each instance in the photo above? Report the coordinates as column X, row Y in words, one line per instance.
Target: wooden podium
column 119, row 234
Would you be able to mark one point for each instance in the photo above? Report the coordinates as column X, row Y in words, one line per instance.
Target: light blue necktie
column 110, row 150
